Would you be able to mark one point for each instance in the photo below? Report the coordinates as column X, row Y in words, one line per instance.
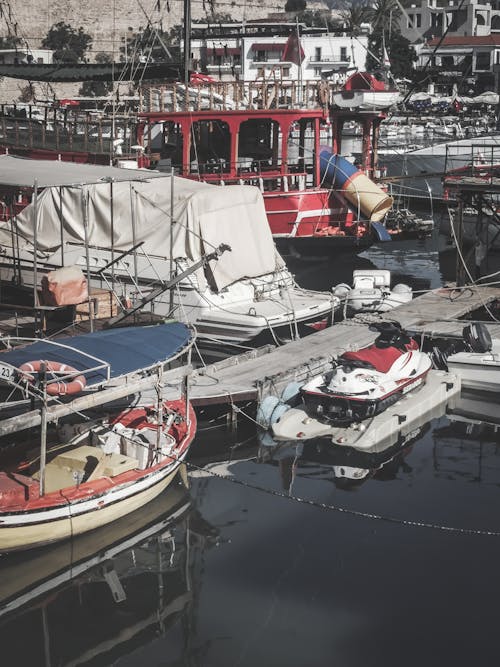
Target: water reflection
column 346, row 467
column 108, row 592
column 467, row 447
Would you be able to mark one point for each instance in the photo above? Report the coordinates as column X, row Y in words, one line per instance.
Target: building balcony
column 330, row 60
column 223, row 66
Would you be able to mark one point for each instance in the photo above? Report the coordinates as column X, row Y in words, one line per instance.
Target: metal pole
column 35, row 243
column 159, row 410
column 186, row 387
column 187, row 46
column 299, row 54
column 61, row 230
column 43, row 424
column 134, row 242
column 171, row 306
column 87, row 257
column 112, row 221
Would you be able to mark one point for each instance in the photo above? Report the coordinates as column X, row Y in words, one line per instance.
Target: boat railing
column 483, row 162
column 237, row 95
column 75, row 134
column 11, row 342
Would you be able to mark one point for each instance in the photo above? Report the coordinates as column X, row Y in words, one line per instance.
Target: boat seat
column 381, row 359
column 84, row 464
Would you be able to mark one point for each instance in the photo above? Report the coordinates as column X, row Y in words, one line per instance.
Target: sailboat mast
column 187, row 41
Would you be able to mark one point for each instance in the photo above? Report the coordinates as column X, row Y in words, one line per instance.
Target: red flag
column 293, row 52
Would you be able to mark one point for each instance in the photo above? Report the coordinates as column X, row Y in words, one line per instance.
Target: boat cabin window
column 301, row 147
column 258, row 146
column 169, row 144
column 210, row 147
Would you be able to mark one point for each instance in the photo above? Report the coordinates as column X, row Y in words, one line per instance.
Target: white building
column 257, row 57
column 26, row 56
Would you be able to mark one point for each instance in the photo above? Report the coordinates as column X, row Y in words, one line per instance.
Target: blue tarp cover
column 126, row 349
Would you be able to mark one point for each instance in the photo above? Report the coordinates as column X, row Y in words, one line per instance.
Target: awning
column 267, row 47
column 125, row 350
column 94, row 72
column 22, row 172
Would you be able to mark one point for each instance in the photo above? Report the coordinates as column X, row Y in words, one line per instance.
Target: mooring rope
column 346, row 510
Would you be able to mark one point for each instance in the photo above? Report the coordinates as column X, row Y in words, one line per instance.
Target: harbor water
column 286, row 555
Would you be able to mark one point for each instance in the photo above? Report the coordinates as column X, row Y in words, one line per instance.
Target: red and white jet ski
column 367, row 381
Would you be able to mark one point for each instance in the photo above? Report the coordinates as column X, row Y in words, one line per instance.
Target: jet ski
column 366, row 382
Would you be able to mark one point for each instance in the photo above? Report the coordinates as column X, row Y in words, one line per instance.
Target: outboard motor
column 478, row 337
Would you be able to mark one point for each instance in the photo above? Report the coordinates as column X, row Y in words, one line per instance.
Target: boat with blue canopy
column 73, row 367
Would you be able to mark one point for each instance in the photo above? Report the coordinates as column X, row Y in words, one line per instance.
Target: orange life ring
column 61, row 387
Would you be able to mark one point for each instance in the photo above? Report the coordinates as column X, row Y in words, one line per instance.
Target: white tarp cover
column 204, row 217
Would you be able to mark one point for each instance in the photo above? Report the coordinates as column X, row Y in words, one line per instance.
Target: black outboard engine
column 478, row 337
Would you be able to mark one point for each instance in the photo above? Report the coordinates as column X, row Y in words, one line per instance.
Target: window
column 419, row 20
column 343, row 53
column 286, row 71
column 410, row 21
column 483, row 61
column 317, row 54
column 261, row 57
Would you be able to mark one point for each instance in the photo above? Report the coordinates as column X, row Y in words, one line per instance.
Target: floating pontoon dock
column 258, row 373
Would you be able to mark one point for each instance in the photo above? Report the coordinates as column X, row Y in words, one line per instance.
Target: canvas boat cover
column 125, row 350
column 204, row 216
column 23, row 172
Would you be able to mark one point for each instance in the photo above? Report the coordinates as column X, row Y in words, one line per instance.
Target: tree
column 10, row 42
column 318, row 18
column 148, row 45
column 295, row 5
column 69, row 45
column 386, row 33
column 98, row 88
column 354, row 15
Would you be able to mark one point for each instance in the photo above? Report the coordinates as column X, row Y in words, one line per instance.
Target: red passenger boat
column 261, row 135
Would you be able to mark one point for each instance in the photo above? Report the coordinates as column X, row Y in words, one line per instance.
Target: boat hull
column 477, row 371
column 46, row 530
column 365, row 99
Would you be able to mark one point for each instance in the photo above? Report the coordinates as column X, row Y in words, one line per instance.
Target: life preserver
column 55, row 388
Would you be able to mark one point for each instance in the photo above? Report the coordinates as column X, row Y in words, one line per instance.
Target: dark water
column 257, row 565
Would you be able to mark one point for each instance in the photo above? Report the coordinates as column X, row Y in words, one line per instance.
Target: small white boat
column 371, row 292
column 364, row 91
column 479, row 365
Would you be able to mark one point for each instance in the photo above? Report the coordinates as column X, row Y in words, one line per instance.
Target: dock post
column 459, row 228
column 232, row 419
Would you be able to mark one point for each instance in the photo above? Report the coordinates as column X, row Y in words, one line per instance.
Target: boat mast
column 187, row 42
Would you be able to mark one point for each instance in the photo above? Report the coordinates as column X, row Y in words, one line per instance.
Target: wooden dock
column 268, row 371
column 264, row 371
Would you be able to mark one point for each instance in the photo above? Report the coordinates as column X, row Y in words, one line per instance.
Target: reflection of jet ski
column 350, row 467
column 367, row 381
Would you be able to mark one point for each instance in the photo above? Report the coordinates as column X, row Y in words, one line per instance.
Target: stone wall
column 109, row 23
